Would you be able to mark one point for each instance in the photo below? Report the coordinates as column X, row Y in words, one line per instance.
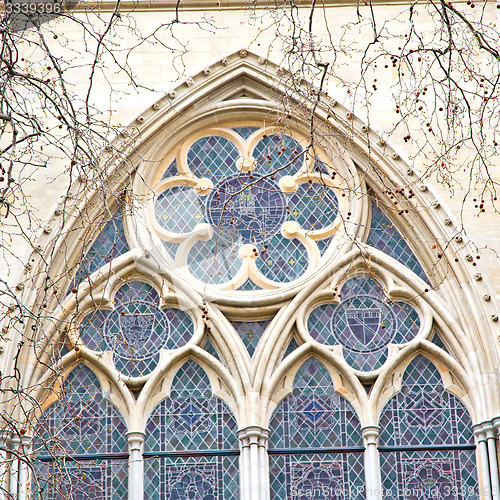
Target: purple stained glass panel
column 385, row 237
column 423, row 413
column 81, row 422
column 191, row 418
column 364, row 323
column 137, row 329
column 250, row 332
column 430, row 475
column 109, row 244
column 314, row 415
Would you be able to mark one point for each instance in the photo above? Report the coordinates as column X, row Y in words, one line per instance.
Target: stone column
column 14, row 466
column 254, row 463
column 482, row 446
column 373, row 477
column 136, row 465
column 4, row 440
column 23, row 467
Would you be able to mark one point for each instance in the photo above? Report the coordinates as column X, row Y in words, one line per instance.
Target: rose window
column 246, row 208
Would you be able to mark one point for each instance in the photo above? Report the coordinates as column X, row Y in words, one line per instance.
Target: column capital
column 253, row 434
column 135, row 440
column 370, row 434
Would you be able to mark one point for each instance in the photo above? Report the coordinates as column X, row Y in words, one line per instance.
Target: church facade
column 264, row 298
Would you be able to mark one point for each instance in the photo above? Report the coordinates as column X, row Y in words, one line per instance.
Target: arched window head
column 426, row 439
column 315, row 418
column 191, row 442
column 72, row 439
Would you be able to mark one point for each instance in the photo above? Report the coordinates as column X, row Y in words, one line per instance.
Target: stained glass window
column 364, row 323
column 426, row 440
column 110, row 243
column 136, row 329
column 245, row 205
column 250, row 332
column 80, row 444
column 191, row 444
column 385, row 237
column 315, row 441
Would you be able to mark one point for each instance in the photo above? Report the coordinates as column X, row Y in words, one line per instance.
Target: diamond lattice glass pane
column 314, row 415
column 214, row 261
column 110, row 243
column 210, row 348
column 200, row 478
column 245, row 132
column 291, row 347
column 171, row 170
column 213, row 157
column 249, row 285
column 429, row 475
column 323, row 245
column 136, row 329
column 313, row 206
column 284, row 260
column 191, row 418
column 385, row 237
column 278, row 155
column 179, row 209
column 81, row 422
column 364, row 323
column 423, row 413
column 336, row 476
column 438, row 341
column 250, row 332
column 75, row 480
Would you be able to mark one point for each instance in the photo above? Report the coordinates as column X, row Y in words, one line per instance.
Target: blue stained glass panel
column 284, row 260
column 197, row 478
column 213, row 157
column 171, row 170
column 179, row 209
column 278, row 155
column 246, row 209
column 292, row 345
column 136, row 329
column 429, row 475
column 329, row 476
column 249, row 285
column 245, row 132
column 313, row 206
column 80, row 480
column 323, row 245
column 364, row 323
column 250, row 332
column 191, row 418
column 214, row 261
column 110, row 243
column 423, row 412
column 314, row 415
column 438, row 341
column 385, row 237
column 81, row 422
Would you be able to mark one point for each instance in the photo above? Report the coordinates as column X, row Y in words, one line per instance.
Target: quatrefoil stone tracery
column 253, row 206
